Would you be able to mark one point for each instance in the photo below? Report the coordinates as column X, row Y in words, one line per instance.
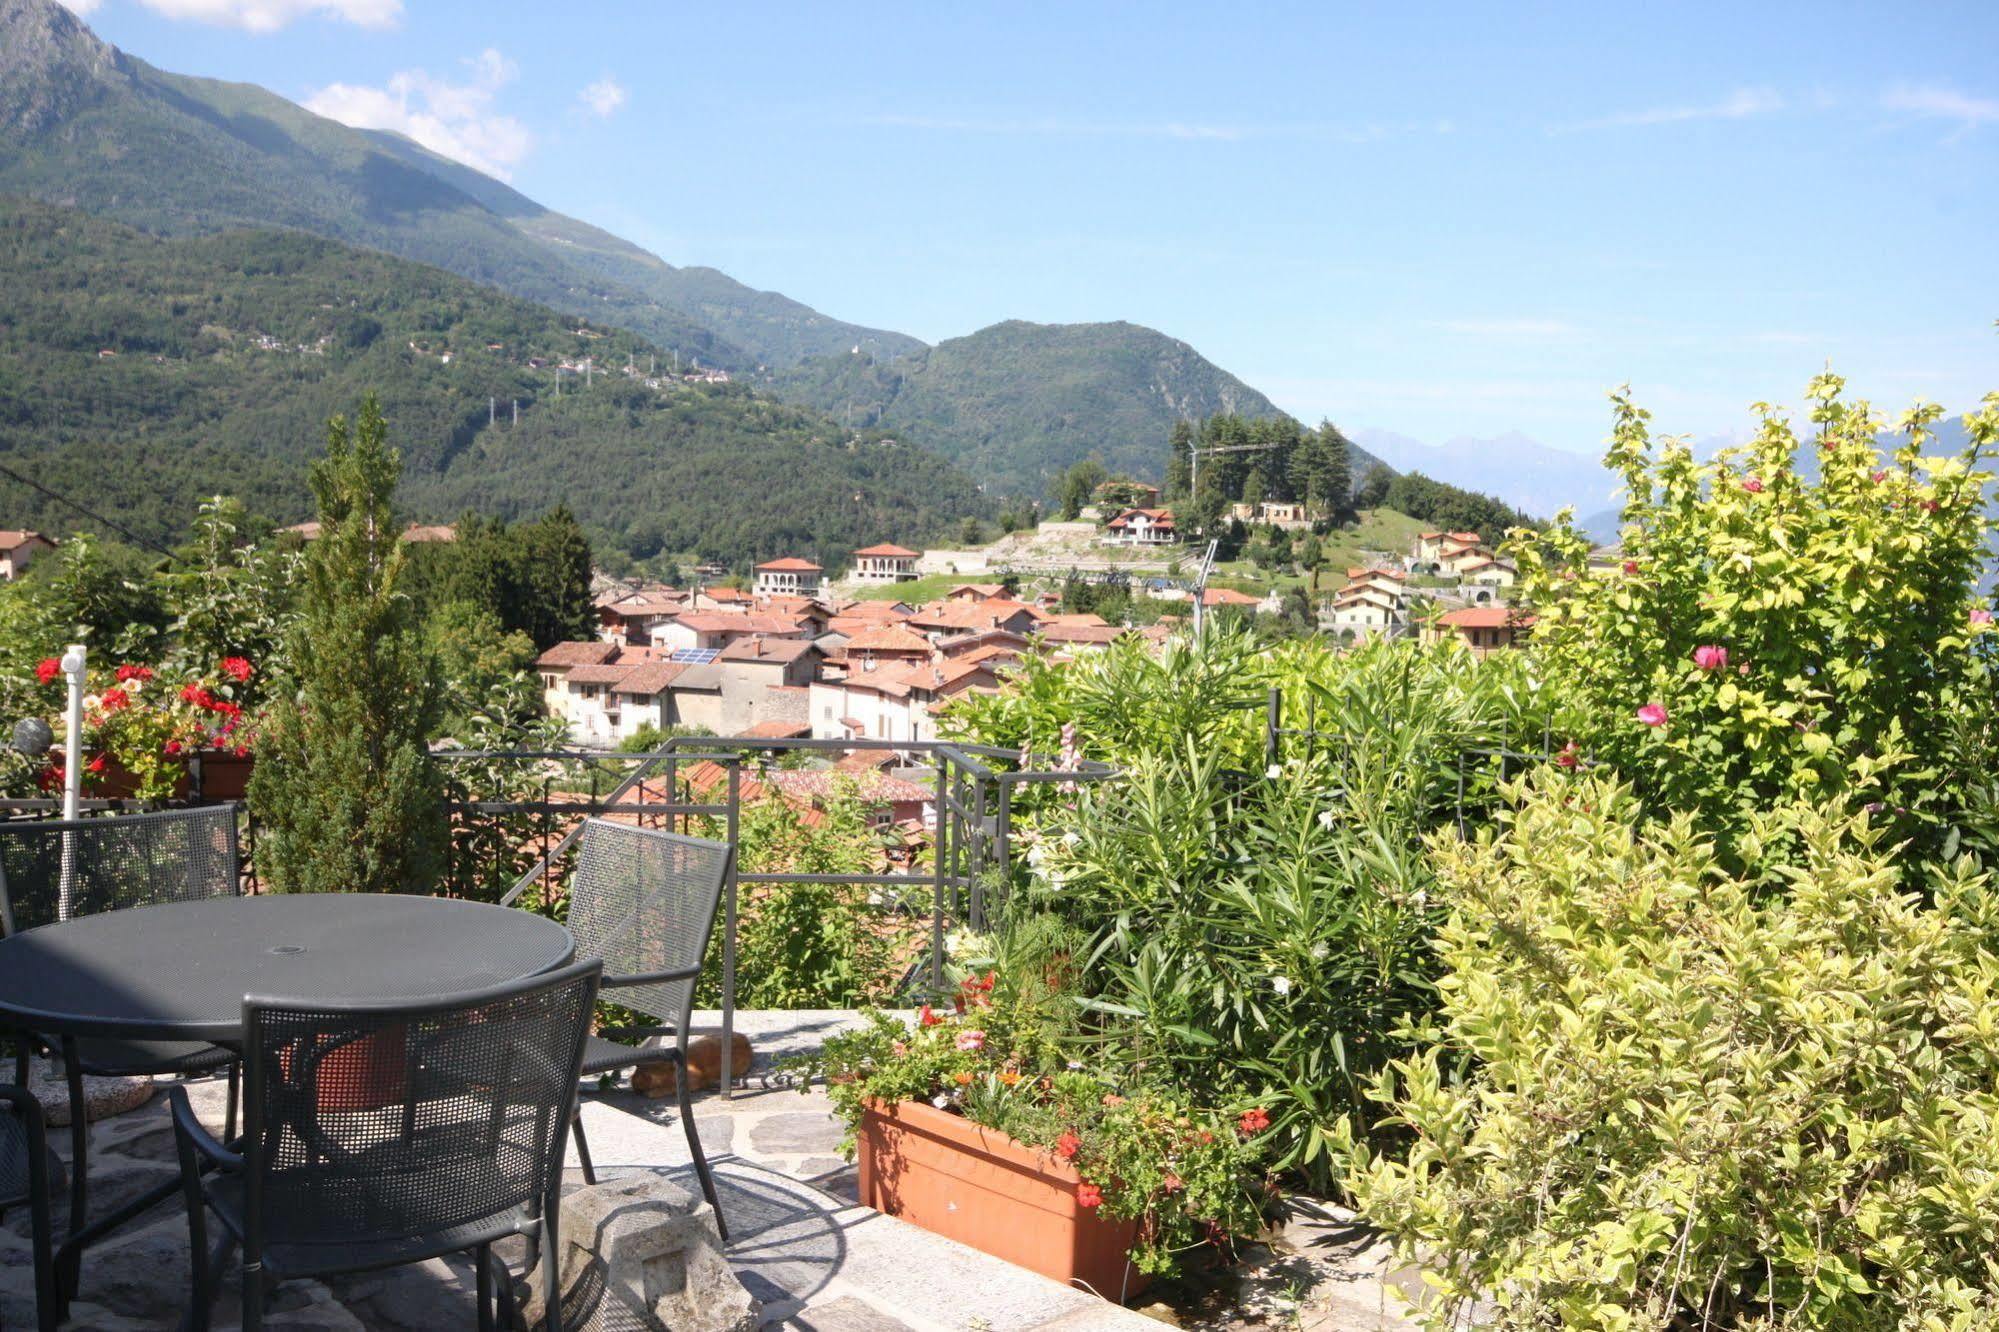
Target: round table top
column 180, row 970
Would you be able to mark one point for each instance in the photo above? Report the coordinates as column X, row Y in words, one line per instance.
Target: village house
column 886, row 645
column 978, row 592
column 637, row 617
column 18, row 550
column 715, row 630
column 1431, row 546
column 894, row 702
column 885, row 564
column 1461, row 560
column 554, row 665
column 950, row 618
column 1487, row 580
column 789, row 577
column 1141, row 527
column 1484, row 629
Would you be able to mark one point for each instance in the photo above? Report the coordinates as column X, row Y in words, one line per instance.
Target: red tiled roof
column 773, row 650
column 601, row 673
column 790, row 564
column 723, row 622
column 591, row 653
column 14, row 540
column 887, row 551
column 652, row 677
column 990, row 614
column 1159, row 517
column 1083, row 633
column 779, row 730
column 1486, row 617
column 1228, row 596
column 888, row 638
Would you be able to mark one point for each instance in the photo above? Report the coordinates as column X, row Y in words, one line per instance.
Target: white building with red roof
column 791, row 577
column 1141, row 527
column 885, row 563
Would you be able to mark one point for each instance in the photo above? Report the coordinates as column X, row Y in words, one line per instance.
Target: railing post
column 940, row 848
column 1002, row 846
column 729, row 937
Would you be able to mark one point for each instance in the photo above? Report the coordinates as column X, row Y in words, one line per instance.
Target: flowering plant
column 145, row 721
column 1191, row 1177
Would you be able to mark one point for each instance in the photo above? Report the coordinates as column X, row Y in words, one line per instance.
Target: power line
column 94, row 516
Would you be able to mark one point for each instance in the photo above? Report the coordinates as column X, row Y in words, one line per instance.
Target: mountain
column 86, row 125
column 1524, row 472
column 1017, row 403
column 140, row 375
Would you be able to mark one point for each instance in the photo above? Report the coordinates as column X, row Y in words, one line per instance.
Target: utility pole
column 1201, row 589
column 492, row 407
column 517, row 412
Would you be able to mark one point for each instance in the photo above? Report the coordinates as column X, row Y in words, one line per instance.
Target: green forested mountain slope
column 1017, row 403
column 85, row 124
column 228, row 352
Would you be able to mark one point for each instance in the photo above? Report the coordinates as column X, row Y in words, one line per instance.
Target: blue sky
column 1436, row 219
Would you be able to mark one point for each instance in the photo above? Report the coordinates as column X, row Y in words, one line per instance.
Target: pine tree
column 345, row 793
column 1178, row 442
column 556, row 579
column 1335, row 471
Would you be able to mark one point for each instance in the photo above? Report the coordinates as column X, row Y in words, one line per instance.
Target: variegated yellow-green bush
column 1792, row 619
column 1692, row 1103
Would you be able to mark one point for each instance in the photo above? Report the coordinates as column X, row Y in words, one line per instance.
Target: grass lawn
column 927, row 588
column 1377, row 530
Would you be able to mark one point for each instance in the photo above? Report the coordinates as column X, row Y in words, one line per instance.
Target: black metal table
column 179, row 971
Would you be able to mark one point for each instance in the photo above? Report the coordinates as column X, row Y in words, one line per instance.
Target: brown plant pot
column 225, row 776
column 977, row 1186
column 364, row 1074
column 117, row 782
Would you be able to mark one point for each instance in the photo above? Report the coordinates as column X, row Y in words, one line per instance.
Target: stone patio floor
column 800, row 1242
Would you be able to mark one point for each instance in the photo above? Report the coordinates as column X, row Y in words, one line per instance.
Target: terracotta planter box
column 984, row 1189
column 224, row 776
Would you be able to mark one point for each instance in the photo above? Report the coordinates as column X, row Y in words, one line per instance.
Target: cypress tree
column 345, row 793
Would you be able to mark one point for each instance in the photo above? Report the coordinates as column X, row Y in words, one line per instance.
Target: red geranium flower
column 1066, row 1145
column 172, row 749
column 237, row 669
column 128, row 672
column 96, row 764
column 50, row 777
column 114, row 699
column 1089, row 1195
column 47, row 669
column 1254, row 1121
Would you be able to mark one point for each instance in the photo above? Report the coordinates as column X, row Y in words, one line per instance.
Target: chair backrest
column 644, row 901
column 404, row 1118
column 115, row 862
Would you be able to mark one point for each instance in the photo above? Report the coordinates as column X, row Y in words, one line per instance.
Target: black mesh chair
column 379, row 1135
column 644, row 901
column 114, row 863
column 24, row 1178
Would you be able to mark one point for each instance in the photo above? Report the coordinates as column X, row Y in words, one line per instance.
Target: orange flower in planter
column 1089, row 1195
column 962, row 1079
column 1066, row 1145
column 1254, row 1121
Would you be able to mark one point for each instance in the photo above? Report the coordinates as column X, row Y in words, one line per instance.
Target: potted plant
column 975, row 1125
column 142, row 725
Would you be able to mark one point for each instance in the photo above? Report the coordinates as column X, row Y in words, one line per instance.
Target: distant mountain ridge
column 1524, row 472
column 83, row 124
column 1018, row 402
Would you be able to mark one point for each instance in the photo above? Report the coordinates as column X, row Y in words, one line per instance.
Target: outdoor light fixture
column 32, row 737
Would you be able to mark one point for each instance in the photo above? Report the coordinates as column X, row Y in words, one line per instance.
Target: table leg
column 69, row 1256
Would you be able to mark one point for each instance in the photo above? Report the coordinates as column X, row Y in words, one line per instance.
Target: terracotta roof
column 1159, row 517
column 888, row 638
column 13, row 540
column 1486, row 617
column 1085, row 618
column 308, row 529
column 419, row 532
column 1228, row 596
column 791, row 564
column 773, row 650
column 866, row 785
column 602, row 673
column 889, row 551
column 726, row 594
column 1083, row 633
column 779, row 730
column 1355, row 575
column 648, row 679
column 983, row 589
column 592, row 653
column 989, row 614
column 991, row 652
column 881, row 612
column 725, row 622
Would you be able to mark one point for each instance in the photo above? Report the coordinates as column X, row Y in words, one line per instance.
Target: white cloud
column 269, row 15
column 456, row 120
column 605, row 97
column 1738, row 105
column 1943, row 104
column 81, row 8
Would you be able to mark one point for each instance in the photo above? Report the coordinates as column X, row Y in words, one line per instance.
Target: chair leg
column 48, row 1298
column 483, row 1257
column 700, row 1157
column 253, row 1297
column 551, row 1282
column 235, row 1090
column 200, row 1295
column 582, row 1146
column 70, row 1275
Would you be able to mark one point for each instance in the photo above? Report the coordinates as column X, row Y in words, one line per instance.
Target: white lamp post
column 74, row 663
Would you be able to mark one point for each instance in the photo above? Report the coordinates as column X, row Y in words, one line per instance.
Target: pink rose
column 1709, row 657
column 1754, row 485
column 1980, row 617
column 970, row 1041
column 1652, row 714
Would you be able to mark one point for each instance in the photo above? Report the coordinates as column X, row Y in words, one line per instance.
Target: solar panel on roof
column 695, row 656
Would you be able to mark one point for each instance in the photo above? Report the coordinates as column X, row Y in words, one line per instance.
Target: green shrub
column 1774, row 637
column 1695, row 1103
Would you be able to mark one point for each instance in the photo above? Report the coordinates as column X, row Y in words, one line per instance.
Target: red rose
column 47, row 669
column 1253, row 1121
column 1089, row 1195
column 237, row 669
